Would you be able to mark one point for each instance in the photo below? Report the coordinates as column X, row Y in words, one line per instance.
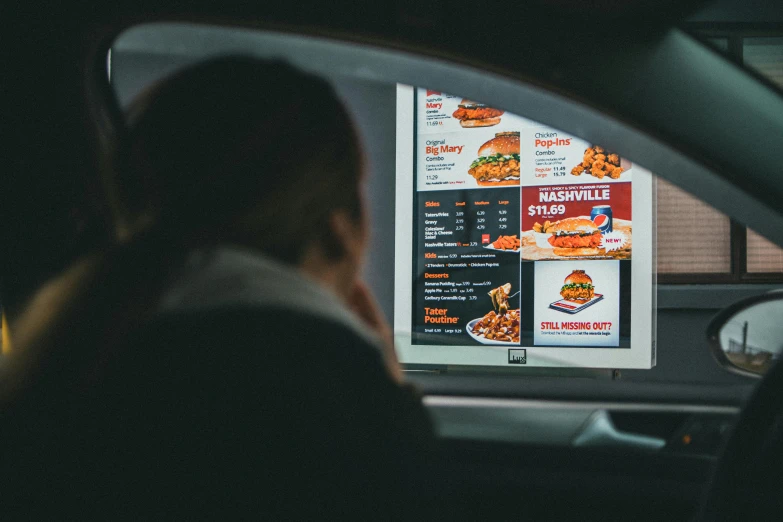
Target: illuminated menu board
column 517, row 244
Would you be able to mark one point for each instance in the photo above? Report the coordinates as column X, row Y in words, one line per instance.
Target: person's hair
column 244, row 151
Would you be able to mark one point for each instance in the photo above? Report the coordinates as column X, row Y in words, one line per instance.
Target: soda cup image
column 602, row 217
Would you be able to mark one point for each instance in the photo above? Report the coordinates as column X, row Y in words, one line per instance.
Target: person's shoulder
column 266, row 336
column 322, row 365
column 248, row 323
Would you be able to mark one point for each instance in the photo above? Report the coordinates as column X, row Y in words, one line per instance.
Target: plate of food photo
column 500, row 326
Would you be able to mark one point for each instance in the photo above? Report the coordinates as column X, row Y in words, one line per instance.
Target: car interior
column 553, row 442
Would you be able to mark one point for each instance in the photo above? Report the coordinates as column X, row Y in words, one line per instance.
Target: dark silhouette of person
column 225, row 357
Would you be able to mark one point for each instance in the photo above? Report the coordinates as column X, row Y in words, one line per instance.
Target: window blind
column 765, row 55
column 764, row 256
column 692, row 236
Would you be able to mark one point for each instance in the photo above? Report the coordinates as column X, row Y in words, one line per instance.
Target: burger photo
column 578, row 287
column 498, row 161
column 575, row 237
column 472, row 114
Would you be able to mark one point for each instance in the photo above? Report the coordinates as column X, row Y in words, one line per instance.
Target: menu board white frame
column 640, row 355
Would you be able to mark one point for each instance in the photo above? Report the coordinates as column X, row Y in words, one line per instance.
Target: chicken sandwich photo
column 578, row 287
column 575, row 237
column 471, row 114
column 498, row 161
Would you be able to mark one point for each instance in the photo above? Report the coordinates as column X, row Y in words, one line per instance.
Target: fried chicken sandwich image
column 498, row 161
column 472, row 114
column 578, row 287
column 575, row 237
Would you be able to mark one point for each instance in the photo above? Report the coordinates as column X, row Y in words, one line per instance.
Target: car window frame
column 555, row 108
column 733, row 33
column 94, row 56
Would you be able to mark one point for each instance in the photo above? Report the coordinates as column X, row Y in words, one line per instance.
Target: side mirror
column 747, row 337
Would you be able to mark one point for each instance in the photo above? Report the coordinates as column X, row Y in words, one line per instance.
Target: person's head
column 250, row 152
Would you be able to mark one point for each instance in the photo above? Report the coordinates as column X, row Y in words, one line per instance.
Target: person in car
column 241, row 364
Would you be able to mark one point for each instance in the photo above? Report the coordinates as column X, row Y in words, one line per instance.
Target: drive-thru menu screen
column 517, row 244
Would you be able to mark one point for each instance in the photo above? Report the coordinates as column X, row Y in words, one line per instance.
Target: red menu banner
column 576, row 221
